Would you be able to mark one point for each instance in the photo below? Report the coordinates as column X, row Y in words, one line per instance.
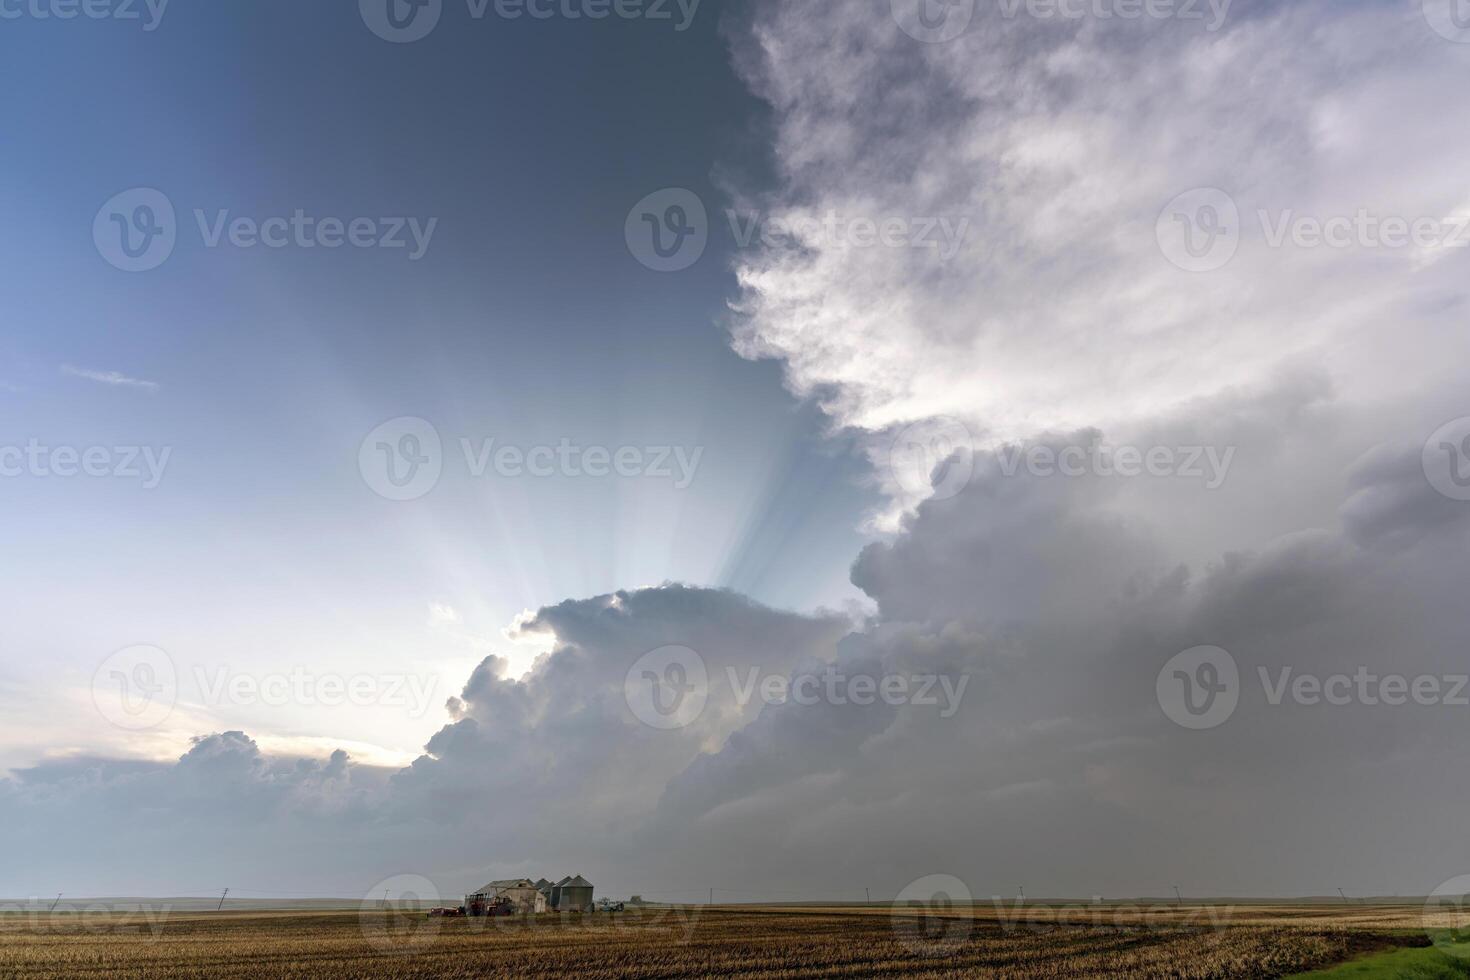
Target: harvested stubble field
column 698, row 942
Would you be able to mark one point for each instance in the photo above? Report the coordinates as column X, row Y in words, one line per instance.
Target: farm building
column 572, row 894
column 520, row 894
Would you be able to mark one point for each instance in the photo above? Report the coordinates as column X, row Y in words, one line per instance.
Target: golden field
column 1000, row 941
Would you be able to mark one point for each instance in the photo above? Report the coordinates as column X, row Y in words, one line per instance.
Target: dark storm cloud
column 1057, row 602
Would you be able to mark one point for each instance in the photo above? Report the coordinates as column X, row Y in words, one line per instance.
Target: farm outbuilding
column 572, row 894
column 519, row 894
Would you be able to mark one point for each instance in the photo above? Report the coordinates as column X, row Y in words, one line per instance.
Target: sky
column 788, row 448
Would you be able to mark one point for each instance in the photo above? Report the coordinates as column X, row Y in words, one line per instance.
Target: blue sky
column 526, row 321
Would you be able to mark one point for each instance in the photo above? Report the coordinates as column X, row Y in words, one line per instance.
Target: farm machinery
column 492, row 908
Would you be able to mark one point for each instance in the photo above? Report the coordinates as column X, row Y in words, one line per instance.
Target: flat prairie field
column 736, row 941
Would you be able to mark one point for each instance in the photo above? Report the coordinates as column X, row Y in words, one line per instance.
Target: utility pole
column 385, row 898
column 1344, row 897
column 712, row 896
column 1177, row 897
column 1023, row 894
column 55, row 903
column 869, row 897
column 222, row 900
